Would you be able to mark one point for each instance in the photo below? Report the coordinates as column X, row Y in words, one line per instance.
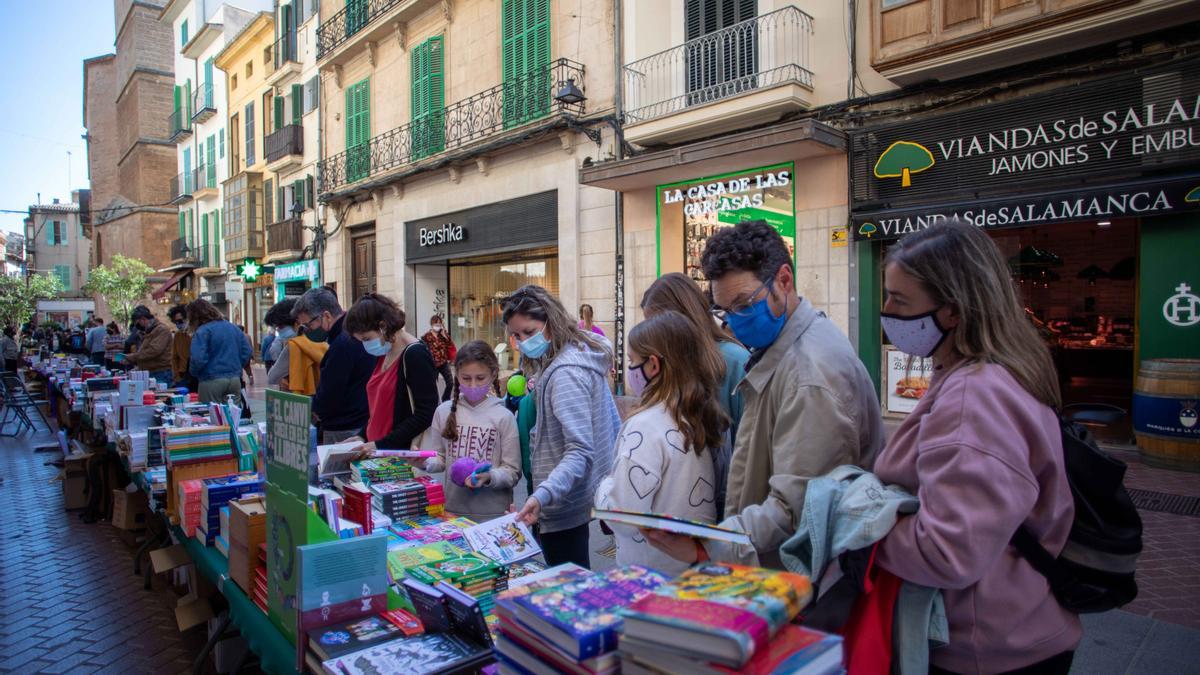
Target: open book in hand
column 656, row 521
column 334, row 459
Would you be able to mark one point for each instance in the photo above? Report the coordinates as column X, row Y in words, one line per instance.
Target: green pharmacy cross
column 249, row 270
column 901, row 160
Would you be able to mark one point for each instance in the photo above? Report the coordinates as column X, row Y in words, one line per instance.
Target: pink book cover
column 747, row 628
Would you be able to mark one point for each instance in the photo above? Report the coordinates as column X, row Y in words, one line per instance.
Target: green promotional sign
column 1169, row 288
column 289, row 418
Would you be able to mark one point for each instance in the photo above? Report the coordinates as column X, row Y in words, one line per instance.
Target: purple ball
column 460, row 469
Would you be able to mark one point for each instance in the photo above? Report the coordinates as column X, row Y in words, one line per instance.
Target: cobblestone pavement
column 71, row 600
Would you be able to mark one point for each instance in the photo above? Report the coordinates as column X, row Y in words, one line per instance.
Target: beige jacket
column 154, row 353
column 809, row 407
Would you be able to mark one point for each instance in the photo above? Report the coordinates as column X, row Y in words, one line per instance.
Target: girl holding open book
column 476, row 440
column 663, row 461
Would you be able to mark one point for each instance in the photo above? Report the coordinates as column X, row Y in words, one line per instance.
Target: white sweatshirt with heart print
column 654, row 471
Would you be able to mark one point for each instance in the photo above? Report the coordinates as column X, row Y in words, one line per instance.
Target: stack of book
column 356, row 506
column 260, row 579
column 184, row 445
column 422, row 496
column 479, row 576
column 566, row 618
column 187, row 502
column 381, row 470
column 216, row 493
column 723, row 618
column 405, row 555
column 434, row 529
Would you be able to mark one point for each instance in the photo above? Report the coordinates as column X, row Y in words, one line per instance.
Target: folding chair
column 12, row 414
column 20, row 400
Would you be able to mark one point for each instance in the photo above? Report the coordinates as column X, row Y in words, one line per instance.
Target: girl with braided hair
column 476, row 440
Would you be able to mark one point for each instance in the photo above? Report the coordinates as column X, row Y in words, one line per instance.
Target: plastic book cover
column 586, row 609
column 504, row 539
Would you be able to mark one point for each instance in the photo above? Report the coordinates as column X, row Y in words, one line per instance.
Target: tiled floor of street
column 72, row 602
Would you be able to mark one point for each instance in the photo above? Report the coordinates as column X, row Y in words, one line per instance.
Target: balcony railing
column 181, row 252
column 284, row 50
column 755, row 54
column 203, row 105
column 206, row 255
column 286, row 235
column 286, row 141
column 180, row 124
column 348, row 21
column 504, row 106
column 248, row 244
column 204, row 177
column 181, row 187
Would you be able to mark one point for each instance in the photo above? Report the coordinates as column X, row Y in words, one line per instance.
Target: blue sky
column 41, row 98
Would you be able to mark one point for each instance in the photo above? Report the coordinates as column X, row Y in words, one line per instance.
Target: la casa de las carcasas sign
column 997, row 165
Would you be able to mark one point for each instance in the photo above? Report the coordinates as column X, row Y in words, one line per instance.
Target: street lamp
column 297, row 209
column 569, row 93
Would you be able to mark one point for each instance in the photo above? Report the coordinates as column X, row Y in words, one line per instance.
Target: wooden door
column 363, row 266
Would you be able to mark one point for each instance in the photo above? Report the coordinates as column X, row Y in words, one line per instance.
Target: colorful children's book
column 794, row 650
column 580, row 616
column 504, row 539
column 407, row 622
column 725, row 613
column 400, row 560
column 350, row 636
column 430, row 605
column 657, row 521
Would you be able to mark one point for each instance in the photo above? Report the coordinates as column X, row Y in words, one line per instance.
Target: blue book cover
column 342, row 580
column 581, row 616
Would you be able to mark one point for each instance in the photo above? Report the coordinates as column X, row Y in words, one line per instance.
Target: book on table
column 793, row 650
column 504, row 539
column 658, row 521
column 351, row 636
column 725, row 613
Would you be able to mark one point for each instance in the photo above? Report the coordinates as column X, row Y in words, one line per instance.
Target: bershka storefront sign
column 1144, row 198
column 447, row 233
column 1139, row 124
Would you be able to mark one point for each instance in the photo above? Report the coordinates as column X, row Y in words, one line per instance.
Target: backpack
column 1095, row 571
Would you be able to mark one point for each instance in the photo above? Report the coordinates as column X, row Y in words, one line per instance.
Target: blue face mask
column 755, row 326
column 376, row 347
column 287, row 333
column 534, row 346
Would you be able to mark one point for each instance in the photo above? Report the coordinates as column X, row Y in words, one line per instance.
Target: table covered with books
column 324, row 562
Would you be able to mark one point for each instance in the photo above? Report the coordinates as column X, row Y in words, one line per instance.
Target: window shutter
column 309, row 196
column 182, row 226
column 208, row 83
column 63, row 272
column 436, row 95
column 428, row 96
column 183, row 34
column 525, row 51
column 250, row 133
column 187, row 90
column 269, row 196
column 49, row 225
column 297, row 103
column 221, row 143
column 278, row 104
column 216, row 218
column 210, row 167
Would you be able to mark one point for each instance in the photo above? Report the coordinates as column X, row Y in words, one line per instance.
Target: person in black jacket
column 340, row 403
column 402, row 392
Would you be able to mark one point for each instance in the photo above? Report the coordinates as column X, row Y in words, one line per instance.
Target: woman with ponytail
column 475, row 437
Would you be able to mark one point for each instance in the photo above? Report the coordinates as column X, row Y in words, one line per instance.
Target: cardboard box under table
column 74, row 481
column 129, row 510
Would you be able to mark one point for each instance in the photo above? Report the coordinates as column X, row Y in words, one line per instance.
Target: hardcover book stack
column 381, row 470
column 722, row 618
column 187, row 502
column 405, row 555
column 405, row 499
column 478, row 576
column 187, row 445
column 565, row 619
column 216, row 493
column 356, row 506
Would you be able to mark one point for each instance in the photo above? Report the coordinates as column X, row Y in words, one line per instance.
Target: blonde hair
column 536, row 303
column 960, row 265
column 688, row 380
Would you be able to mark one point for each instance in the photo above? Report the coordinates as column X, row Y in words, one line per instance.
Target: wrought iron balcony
column 503, row 107
column 285, row 142
column 181, row 187
column 758, row 53
column 203, row 105
column 181, row 252
column 248, row 244
column 349, row 20
column 204, row 177
column 206, row 256
column 179, row 123
column 285, row 235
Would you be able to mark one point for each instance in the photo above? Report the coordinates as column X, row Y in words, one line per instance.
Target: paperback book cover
column 400, row 560
column 350, row 636
column 581, row 615
column 504, row 539
column 342, row 580
column 658, row 521
column 419, row 654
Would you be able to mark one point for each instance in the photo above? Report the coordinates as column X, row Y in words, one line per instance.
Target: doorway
column 362, row 265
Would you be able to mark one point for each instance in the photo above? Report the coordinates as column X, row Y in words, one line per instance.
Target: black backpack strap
column 1033, row 551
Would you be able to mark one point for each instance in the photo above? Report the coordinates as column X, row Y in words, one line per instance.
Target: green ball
column 516, row 385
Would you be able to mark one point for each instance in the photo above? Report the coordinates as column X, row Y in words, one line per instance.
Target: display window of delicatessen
column 690, row 212
column 1091, row 194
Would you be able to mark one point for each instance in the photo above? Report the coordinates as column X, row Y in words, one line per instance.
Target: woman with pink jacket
column 983, row 450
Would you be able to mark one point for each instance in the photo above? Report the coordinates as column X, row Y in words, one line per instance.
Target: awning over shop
column 161, row 290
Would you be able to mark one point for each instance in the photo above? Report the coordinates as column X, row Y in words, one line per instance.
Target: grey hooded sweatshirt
column 574, row 439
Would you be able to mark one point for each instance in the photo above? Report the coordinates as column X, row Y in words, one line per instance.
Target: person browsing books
column 475, row 437
column 401, row 393
column 664, row 452
column 983, row 448
column 810, row 405
column 576, row 427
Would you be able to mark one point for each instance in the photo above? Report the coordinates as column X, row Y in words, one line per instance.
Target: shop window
column 479, row 286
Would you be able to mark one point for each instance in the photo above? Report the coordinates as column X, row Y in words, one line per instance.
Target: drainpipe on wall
column 619, row 205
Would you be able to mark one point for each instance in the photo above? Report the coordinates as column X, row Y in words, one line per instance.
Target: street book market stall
column 326, row 563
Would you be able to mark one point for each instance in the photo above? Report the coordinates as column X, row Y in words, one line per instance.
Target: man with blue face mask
column 809, row 404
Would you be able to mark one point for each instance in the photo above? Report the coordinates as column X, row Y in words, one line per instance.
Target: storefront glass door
column 478, row 287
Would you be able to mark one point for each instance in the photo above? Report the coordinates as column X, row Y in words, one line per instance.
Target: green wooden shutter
column 208, row 83
column 358, row 131
column 182, row 226
column 210, row 167
column 187, row 90
column 49, row 225
column 221, row 143
column 250, row 134
column 183, row 34
column 525, row 57
column 356, row 16
column 297, row 103
column 187, row 171
column 176, row 117
column 216, row 218
column 63, row 272
column 202, row 254
column 428, row 98
column 268, row 199
column 278, row 113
